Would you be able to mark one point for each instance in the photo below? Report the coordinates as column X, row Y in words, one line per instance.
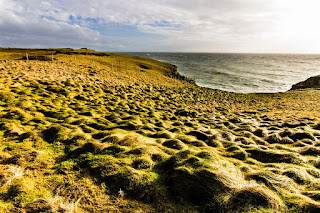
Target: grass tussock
column 130, row 134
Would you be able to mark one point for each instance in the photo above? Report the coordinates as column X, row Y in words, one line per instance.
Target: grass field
column 84, row 131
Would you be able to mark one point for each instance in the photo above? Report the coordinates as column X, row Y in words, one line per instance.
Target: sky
column 257, row 26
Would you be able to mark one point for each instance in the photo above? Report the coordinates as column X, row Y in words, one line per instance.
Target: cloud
column 21, row 27
column 159, row 25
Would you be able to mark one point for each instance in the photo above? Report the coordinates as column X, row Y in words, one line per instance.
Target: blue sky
column 285, row 26
column 108, row 29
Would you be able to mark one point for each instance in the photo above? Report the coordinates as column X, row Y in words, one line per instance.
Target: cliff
column 313, row 82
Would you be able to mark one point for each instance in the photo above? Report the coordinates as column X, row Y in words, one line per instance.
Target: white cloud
column 189, row 25
column 21, row 27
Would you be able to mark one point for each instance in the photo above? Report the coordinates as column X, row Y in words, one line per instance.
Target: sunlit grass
column 83, row 137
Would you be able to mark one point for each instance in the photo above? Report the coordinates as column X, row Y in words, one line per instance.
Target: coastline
column 90, row 131
column 242, row 73
column 312, row 82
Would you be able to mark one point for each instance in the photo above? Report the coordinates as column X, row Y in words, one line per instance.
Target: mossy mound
column 84, row 138
column 200, row 186
column 269, row 156
column 174, row 144
column 55, row 133
column 254, row 197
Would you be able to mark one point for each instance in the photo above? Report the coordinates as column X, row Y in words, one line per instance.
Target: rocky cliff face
column 309, row 83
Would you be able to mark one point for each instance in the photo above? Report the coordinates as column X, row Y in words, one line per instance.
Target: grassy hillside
column 102, row 132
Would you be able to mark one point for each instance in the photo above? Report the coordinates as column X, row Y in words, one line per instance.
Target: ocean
column 242, row 73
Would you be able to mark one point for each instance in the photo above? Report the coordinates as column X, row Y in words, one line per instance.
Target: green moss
column 238, row 154
column 114, row 150
column 142, row 163
column 65, row 166
column 25, row 191
column 56, row 133
column 248, row 198
column 174, row 144
column 299, row 177
column 162, row 134
column 18, row 114
column 200, row 135
column 267, row 156
column 117, row 137
column 7, row 96
column 302, row 135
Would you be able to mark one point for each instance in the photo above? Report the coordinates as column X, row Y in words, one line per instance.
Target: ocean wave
column 243, row 72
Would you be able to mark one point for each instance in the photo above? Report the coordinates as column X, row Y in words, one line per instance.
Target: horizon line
column 200, row 52
column 274, row 53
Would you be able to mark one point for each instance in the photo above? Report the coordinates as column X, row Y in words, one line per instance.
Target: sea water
column 243, row 73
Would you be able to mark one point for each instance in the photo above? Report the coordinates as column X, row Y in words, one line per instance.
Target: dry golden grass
column 84, row 138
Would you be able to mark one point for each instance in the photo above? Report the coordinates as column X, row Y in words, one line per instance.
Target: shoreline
column 234, row 85
column 311, row 82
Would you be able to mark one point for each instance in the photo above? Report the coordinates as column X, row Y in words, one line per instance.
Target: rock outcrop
column 309, row 83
